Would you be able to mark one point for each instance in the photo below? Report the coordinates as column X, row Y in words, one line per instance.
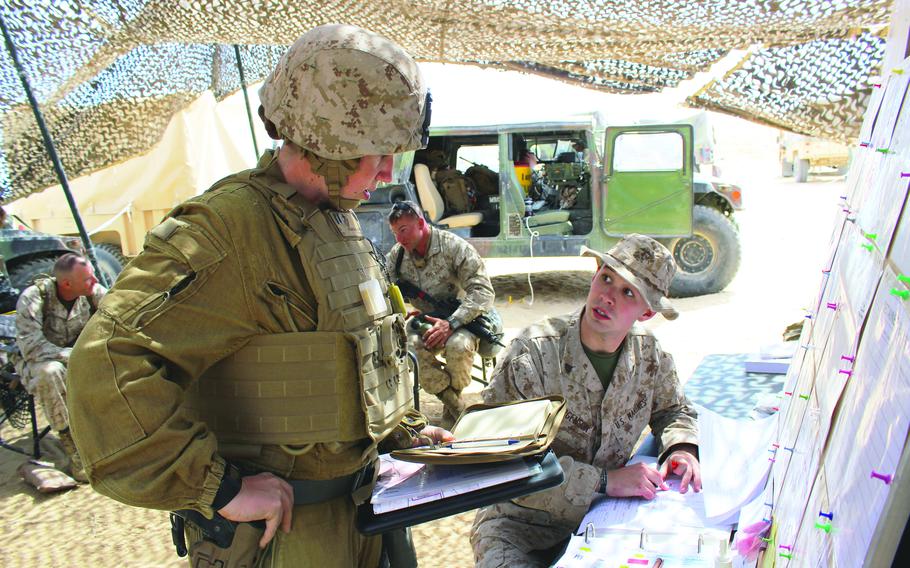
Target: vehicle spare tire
column 708, row 260
column 23, row 274
column 110, row 263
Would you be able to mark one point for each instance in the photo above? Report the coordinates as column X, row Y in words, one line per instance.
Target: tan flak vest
column 346, row 381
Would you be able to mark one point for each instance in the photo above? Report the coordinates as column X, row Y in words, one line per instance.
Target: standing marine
column 248, row 363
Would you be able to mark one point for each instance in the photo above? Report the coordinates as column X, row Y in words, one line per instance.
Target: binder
column 551, row 475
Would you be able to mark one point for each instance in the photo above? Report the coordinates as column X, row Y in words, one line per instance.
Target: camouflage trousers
column 46, row 381
column 528, row 538
column 455, row 371
column 322, row 536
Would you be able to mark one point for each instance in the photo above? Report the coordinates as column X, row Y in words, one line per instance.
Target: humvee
column 546, row 189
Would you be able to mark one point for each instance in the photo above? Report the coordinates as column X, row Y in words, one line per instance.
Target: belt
column 310, row 491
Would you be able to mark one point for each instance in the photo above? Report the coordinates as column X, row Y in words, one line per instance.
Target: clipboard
column 551, row 475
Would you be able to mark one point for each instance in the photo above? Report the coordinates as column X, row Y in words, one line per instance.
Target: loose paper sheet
column 734, row 460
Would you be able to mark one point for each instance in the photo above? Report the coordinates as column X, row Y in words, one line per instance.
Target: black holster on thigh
column 243, row 552
column 398, row 549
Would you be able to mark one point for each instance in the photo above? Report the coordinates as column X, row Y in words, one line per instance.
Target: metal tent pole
column 246, row 98
column 52, row 152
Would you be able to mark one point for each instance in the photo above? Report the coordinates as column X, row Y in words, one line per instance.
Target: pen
column 479, row 444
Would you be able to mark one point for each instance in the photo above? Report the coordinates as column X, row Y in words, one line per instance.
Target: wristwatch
column 454, row 323
column 602, row 488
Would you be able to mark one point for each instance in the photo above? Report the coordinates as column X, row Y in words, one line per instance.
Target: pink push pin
column 864, row 144
column 905, row 174
column 849, row 358
column 847, row 372
column 787, row 547
column 877, row 85
column 886, row 477
column 832, row 305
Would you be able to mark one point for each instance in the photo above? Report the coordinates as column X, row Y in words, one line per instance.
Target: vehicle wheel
column 708, row 260
column 801, row 171
column 22, row 275
column 786, row 168
column 110, row 260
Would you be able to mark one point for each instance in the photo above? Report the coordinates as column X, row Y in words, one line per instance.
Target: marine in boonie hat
column 644, row 263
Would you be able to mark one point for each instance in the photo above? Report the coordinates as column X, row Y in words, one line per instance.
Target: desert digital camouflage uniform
column 599, row 430
column 233, row 266
column 45, row 334
column 452, row 268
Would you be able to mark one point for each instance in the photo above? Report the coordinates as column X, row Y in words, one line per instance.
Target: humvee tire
column 110, row 260
column 23, row 274
column 708, row 260
column 801, row 171
column 786, row 168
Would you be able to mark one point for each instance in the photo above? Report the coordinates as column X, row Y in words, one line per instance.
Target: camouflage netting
column 109, row 74
column 819, row 88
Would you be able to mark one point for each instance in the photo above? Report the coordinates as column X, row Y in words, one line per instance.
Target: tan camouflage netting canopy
column 109, row 74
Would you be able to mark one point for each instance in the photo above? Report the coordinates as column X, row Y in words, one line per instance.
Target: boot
column 76, row 469
column 453, row 406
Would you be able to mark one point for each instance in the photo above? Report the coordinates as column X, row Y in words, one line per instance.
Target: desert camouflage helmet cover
column 645, row 264
column 343, row 92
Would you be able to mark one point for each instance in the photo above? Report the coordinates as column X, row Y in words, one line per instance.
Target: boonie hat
column 644, row 263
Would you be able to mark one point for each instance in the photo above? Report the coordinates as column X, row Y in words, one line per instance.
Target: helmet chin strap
column 335, row 173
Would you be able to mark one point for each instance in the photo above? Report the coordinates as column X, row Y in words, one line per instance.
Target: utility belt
column 221, row 531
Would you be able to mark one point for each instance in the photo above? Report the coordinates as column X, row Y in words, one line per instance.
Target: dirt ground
column 784, row 229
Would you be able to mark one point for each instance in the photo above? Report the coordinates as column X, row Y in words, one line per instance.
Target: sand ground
column 785, row 230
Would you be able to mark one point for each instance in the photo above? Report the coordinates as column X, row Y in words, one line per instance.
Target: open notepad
column 495, row 433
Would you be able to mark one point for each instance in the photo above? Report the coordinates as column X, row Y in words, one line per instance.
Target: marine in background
column 439, row 266
column 50, row 315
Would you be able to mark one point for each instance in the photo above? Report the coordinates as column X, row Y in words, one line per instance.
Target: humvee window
column 479, row 155
column 648, row 152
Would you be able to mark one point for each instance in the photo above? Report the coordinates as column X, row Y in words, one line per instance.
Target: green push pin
column 884, row 151
column 786, row 555
column 823, row 526
column 764, row 539
column 871, row 236
column 804, row 396
column 904, row 279
column 869, row 247
column 902, row 294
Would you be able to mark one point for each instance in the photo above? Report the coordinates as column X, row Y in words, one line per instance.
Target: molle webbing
column 288, row 388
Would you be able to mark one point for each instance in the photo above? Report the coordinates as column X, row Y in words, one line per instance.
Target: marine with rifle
column 434, row 268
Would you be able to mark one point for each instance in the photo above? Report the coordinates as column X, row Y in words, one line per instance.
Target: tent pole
column 52, row 152
column 246, row 98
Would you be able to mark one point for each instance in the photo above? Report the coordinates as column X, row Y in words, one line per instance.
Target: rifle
column 487, row 326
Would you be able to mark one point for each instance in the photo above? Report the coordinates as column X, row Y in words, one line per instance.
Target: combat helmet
column 342, row 92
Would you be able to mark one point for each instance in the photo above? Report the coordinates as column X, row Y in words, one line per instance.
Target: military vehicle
column 799, row 153
column 546, row 189
column 29, row 253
